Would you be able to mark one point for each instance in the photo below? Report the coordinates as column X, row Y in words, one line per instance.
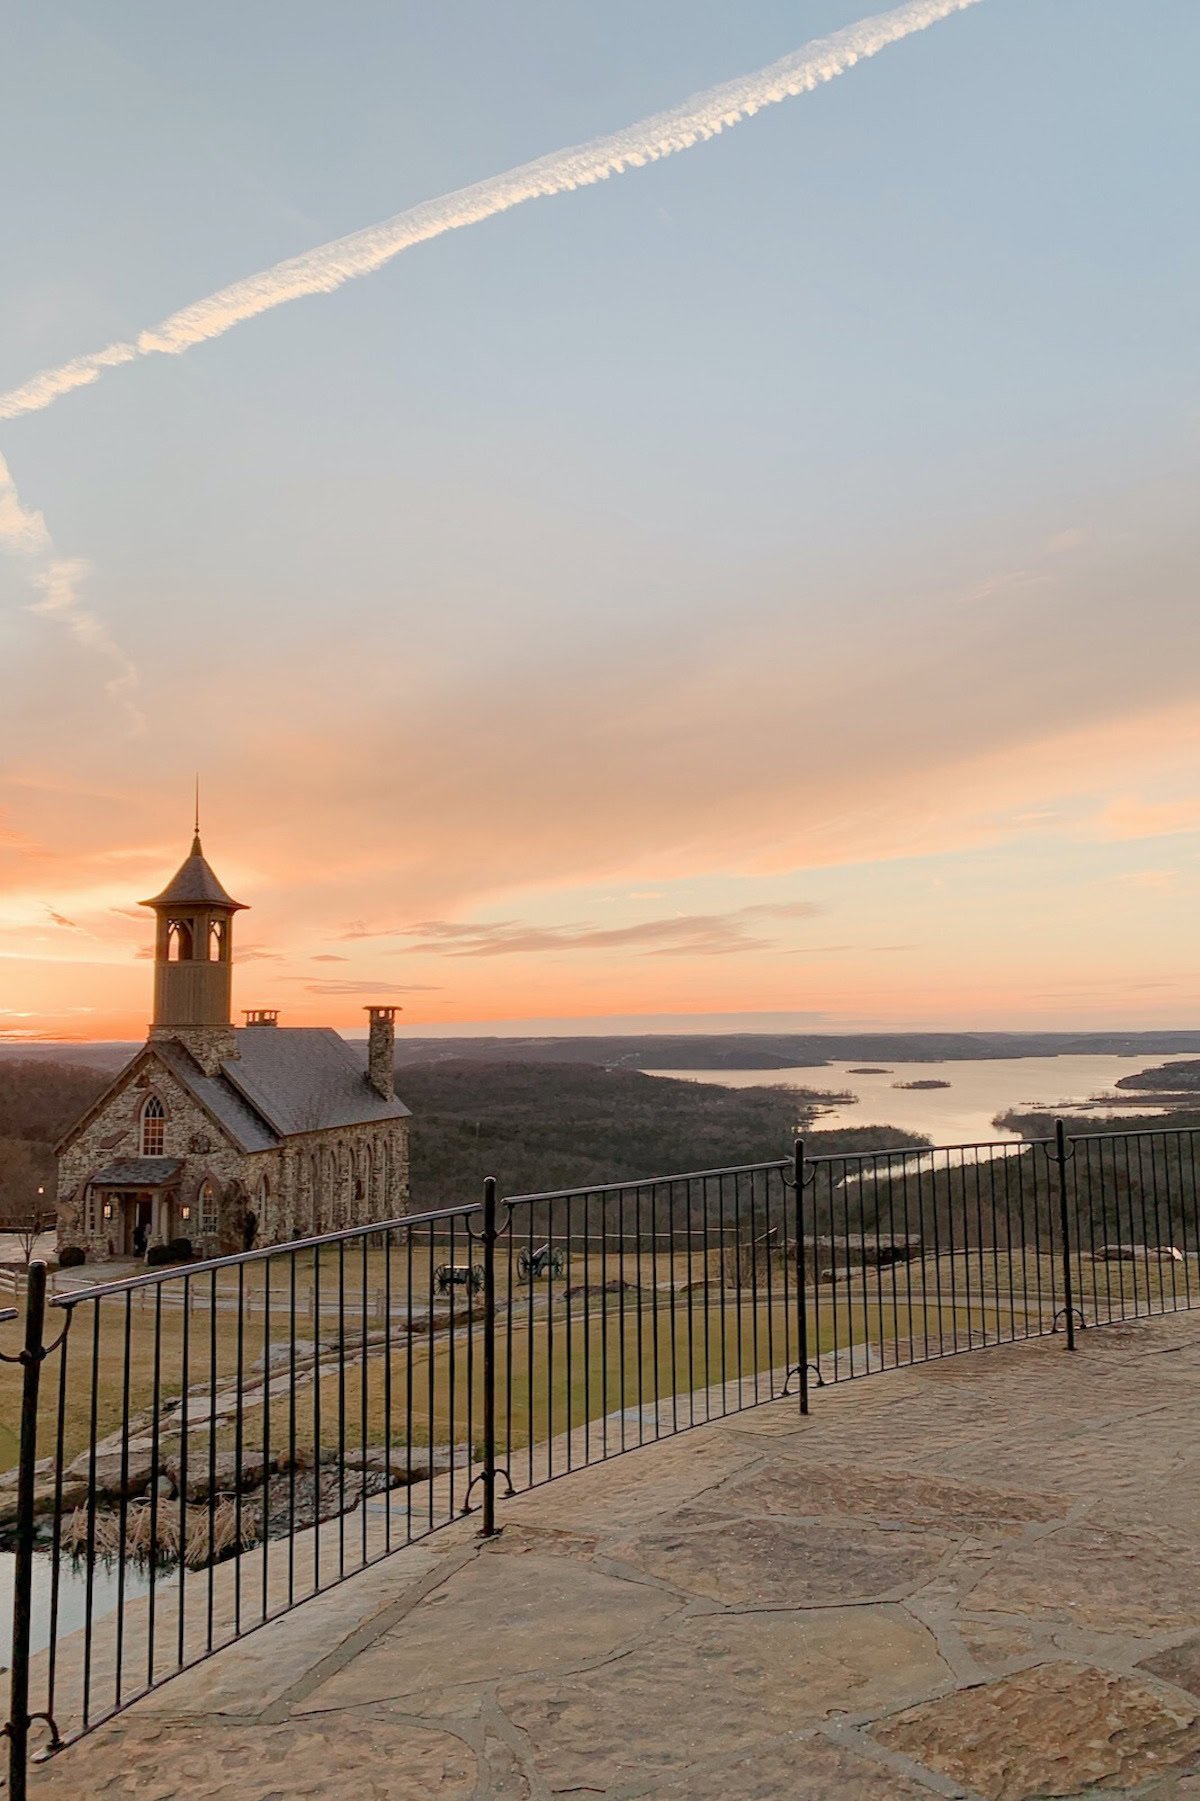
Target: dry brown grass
column 965, row 1296
column 209, row 1537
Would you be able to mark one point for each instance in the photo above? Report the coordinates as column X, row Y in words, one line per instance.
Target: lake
column 72, row 1596
column 959, row 1114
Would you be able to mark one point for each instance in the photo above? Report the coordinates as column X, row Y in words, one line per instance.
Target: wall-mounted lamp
column 108, row 1210
column 185, row 1211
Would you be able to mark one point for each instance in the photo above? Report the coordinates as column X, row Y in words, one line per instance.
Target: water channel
column 962, row 1112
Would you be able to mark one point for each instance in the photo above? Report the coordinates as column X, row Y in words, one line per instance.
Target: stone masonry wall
column 314, row 1182
column 346, row 1177
column 115, row 1133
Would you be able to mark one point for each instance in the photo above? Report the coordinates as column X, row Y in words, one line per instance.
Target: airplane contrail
column 325, row 268
column 59, row 580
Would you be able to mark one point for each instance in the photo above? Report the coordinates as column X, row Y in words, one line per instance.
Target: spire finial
column 196, row 828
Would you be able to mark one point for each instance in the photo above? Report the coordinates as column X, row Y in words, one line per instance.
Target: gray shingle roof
column 194, row 884
column 305, row 1079
column 139, row 1172
column 219, row 1098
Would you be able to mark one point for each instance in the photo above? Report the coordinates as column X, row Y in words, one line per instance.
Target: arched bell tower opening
column 193, row 961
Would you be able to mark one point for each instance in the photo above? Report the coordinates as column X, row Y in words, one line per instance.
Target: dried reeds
column 153, row 1533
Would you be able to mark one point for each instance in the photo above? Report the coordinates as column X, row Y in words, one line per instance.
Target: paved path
column 980, row 1578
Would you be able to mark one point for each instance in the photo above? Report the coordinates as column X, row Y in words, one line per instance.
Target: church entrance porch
column 135, row 1200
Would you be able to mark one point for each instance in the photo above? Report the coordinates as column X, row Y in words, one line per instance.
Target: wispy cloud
column 1155, row 881
column 59, row 581
column 364, row 987
column 329, row 266
column 679, row 935
column 1129, row 816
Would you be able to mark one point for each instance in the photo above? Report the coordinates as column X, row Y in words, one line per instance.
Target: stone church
column 231, row 1136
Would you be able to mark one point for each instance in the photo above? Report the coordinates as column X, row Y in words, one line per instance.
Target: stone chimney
column 381, row 1051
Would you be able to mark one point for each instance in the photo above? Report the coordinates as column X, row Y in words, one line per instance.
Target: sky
column 758, row 585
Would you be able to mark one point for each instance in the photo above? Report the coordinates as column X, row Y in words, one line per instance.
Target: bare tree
column 28, row 1227
column 26, row 1211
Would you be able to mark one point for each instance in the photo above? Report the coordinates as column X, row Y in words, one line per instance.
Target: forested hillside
column 1030, row 1123
column 545, row 1126
column 532, row 1126
column 1165, row 1078
column 38, row 1101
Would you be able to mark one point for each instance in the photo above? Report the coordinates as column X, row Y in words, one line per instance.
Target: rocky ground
column 977, row 1578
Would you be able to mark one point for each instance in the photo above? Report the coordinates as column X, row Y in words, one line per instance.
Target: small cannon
column 869, row 1250
column 542, row 1262
column 1136, row 1253
column 448, row 1276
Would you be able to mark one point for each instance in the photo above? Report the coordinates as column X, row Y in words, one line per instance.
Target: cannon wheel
column 476, row 1278
column 558, row 1263
column 441, row 1276
column 524, row 1264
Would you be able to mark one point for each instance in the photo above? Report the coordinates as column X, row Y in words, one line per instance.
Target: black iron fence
column 203, row 1448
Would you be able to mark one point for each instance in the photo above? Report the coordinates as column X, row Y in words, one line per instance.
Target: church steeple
column 193, row 966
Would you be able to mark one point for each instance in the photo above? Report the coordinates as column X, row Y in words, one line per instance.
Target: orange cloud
column 815, row 743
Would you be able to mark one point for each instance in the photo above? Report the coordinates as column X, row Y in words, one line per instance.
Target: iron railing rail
column 264, row 1425
column 405, row 1222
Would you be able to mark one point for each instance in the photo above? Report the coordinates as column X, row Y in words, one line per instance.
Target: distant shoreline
column 711, row 1051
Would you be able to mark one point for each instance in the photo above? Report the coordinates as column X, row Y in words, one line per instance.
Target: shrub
column 157, row 1255
column 71, row 1256
column 181, row 1250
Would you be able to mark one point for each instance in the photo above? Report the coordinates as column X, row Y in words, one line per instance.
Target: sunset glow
column 760, row 585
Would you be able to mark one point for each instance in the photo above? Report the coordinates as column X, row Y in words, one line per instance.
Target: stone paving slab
column 748, row 1561
column 499, row 1616
column 1051, row 1730
column 737, row 1680
column 977, row 1578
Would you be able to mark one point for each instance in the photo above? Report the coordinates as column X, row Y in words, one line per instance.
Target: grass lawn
column 552, row 1377
column 556, row 1369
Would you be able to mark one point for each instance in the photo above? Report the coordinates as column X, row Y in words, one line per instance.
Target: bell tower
column 193, row 966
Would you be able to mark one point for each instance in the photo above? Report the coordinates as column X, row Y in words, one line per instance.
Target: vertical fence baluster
column 1060, row 1158
column 387, row 1390
column 31, row 1358
column 568, row 1332
column 56, row 1529
column 801, row 1272
column 489, row 1358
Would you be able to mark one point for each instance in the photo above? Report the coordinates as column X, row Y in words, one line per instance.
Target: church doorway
column 138, row 1210
column 141, row 1229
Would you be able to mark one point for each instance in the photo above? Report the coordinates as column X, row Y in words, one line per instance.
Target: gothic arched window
column 208, row 1207
column 179, row 941
column 154, row 1127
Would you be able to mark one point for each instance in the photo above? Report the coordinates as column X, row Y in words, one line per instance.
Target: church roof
column 219, row 1099
column 285, row 1080
column 138, row 1172
column 306, row 1079
column 194, row 884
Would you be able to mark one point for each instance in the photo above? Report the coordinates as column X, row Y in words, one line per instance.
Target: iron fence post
column 1060, row 1158
column 488, row 1528
column 31, row 1362
column 801, row 1270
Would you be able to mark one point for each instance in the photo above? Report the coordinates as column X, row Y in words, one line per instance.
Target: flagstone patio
column 977, row 1578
